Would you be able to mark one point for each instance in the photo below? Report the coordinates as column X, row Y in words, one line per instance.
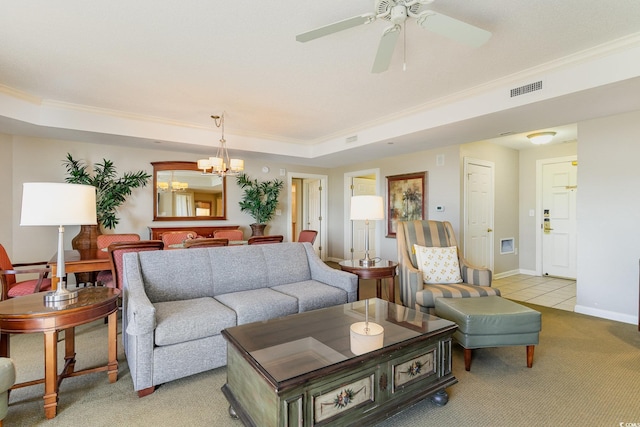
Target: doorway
column 308, row 202
column 360, row 183
column 478, row 212
column 557, row 235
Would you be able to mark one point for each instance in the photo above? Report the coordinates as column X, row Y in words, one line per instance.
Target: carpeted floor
column 586, row 372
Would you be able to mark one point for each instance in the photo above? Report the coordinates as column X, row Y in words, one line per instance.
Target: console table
column 155, row 233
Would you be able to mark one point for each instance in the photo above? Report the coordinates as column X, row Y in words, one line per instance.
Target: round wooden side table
column 382, row 269
column 28, row 314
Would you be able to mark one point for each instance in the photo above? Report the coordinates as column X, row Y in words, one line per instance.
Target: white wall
column 6, row 197
column 608, row 220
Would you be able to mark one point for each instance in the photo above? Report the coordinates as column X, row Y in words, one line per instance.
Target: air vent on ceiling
column 531, row 87
column 352, row 138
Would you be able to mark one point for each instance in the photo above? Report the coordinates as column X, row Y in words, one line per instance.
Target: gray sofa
column 176, row 302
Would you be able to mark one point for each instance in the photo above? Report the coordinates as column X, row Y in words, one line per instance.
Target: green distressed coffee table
column 300, row 370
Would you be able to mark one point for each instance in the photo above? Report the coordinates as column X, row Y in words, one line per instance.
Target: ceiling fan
column 397, row 12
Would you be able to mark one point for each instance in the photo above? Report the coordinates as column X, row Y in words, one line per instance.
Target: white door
column 558, row 228
column 362, row 187
column 312, row 215
column 478, row 235
column 312, row 207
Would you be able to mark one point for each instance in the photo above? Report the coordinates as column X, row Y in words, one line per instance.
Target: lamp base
column 60, row 294
column 367, row 262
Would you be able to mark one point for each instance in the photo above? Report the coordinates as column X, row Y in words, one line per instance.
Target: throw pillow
column 438, row 265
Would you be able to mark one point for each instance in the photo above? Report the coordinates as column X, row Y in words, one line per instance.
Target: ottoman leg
column 530, row 349
column 467, row 359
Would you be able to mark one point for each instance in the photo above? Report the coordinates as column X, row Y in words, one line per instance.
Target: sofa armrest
column 331, row 276
column 140, row 313
column 474, row 275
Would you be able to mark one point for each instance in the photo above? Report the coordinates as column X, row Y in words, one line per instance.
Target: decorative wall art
column 406, row 199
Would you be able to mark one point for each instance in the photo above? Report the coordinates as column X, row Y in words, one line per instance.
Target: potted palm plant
column 259, row 200
column 111, row 192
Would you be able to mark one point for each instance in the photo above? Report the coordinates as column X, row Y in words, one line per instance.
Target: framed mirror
column 184, row 193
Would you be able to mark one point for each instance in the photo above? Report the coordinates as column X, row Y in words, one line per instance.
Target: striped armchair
column 414, row 293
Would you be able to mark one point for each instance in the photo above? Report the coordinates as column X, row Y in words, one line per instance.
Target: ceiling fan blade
column 335, row 27
column 453, row 28
column 385, row 49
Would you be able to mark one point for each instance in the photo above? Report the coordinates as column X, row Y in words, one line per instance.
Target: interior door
column 312, row 215
column 478, row 236
column 558, row 228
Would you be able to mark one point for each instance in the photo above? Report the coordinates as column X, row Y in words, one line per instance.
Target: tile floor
column 546, row 291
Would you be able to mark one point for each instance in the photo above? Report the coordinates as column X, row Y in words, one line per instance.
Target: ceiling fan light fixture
column 540, row 138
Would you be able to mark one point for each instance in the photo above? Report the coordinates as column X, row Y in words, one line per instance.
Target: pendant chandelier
column 221, row 164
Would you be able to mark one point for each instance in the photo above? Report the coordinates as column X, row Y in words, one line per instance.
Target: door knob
column 489, row 230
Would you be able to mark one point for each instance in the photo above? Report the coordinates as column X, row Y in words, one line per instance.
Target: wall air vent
column 531, row 87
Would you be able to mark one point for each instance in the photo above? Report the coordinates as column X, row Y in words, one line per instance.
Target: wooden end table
column 382, row 269
column 29, row 314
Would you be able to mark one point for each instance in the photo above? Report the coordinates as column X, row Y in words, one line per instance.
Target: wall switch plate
column 278, row 212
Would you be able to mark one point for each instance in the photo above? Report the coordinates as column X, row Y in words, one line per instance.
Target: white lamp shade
column 367, row 208
column 204, row 164
column 50, row 203
column 365, row 337
column 216, row 162
column 236, row 164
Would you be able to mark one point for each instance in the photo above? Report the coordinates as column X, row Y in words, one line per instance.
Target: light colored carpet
column 586, row 372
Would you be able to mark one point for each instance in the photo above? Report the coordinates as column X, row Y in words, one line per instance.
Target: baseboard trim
column 605, row 314
column 506, row 274
column 513, row 273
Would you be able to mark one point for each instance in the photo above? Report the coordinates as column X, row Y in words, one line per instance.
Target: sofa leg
column 530, row 349
column 467, row 359
column 146, row 391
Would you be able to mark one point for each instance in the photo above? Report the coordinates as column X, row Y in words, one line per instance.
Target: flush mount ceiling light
column 539, row 138
column 221, row 165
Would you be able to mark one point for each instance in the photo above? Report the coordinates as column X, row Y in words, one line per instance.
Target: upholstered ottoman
column 491, row 322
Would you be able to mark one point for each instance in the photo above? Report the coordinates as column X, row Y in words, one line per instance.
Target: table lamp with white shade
column 50, row 203
column 367, row 208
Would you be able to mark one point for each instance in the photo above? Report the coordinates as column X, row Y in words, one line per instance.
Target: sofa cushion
column 428, row 295
column 259, row 304
column 286, row 263
column 438, row 265
column 187, row 320
column 312, row 294
column 237, row 268
column 162, row 270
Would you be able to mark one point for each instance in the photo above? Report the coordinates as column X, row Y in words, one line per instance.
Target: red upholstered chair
column 103, row 241
column 116, row 250
column 177, row 237
column 205, row 243
column 263, row 240
column 232, row 235
column 11, row 287
column 307, row 236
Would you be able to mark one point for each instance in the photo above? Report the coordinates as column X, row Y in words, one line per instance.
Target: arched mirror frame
column 182, row 166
